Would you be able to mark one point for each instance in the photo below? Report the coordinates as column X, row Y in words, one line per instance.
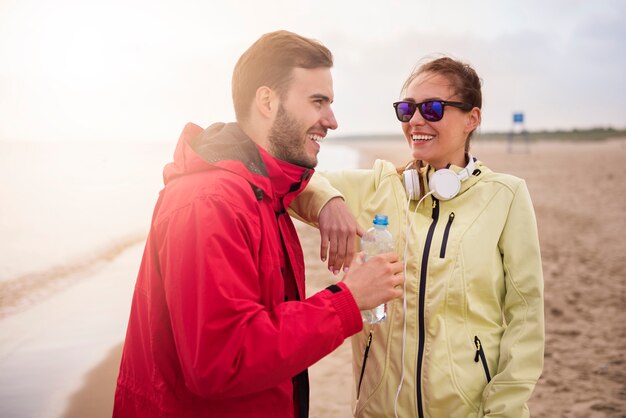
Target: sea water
column 62, row 203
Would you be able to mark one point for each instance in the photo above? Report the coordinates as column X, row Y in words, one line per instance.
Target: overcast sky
column 139, row 70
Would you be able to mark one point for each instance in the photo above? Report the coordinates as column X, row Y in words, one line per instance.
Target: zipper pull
column 478, row 349
column 435, row 214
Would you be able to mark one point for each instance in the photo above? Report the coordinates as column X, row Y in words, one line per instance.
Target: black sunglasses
column 431, row 110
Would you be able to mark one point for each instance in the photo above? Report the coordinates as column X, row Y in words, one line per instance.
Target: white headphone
column 444, row 183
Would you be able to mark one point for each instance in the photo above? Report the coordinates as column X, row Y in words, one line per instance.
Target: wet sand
column 579, row 194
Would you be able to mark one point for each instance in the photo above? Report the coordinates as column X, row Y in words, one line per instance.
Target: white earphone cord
column 406, row 249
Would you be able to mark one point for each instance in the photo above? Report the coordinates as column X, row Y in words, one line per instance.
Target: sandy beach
column 579, row 194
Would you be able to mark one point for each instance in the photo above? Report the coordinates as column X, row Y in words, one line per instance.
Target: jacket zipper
column 365, row 354
column 421, row 307
column 444, row 243
column 480, row 354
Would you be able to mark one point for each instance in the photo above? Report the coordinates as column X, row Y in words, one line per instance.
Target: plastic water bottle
column 377, row 240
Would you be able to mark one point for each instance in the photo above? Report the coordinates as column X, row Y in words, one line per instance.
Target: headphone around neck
column 444, row 183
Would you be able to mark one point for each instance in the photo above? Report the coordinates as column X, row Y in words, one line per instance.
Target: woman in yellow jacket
column 468, row 338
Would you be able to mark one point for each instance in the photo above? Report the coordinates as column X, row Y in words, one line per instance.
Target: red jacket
column 219, row 324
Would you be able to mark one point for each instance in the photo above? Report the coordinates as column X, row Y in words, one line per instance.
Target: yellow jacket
column 474, row 296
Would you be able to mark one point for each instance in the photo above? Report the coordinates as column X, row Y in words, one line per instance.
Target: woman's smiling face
column 442, row 142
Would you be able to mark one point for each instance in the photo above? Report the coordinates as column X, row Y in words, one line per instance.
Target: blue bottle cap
column 380, row 220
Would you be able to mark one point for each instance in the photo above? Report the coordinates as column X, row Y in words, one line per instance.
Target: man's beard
column 286, row 141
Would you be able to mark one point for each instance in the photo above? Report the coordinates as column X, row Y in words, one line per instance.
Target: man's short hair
column 269, row 62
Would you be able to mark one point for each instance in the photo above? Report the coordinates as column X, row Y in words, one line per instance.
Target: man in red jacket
column 220, row 325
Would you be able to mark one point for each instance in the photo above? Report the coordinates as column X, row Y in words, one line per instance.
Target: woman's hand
column 338, row 231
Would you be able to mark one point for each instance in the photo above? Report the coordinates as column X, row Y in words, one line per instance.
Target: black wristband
column 334, row 288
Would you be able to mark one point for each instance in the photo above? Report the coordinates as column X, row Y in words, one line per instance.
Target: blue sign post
column 518, row 128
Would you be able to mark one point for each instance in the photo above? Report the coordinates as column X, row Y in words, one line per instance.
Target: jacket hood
column 220, row 144
column 225, row 146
